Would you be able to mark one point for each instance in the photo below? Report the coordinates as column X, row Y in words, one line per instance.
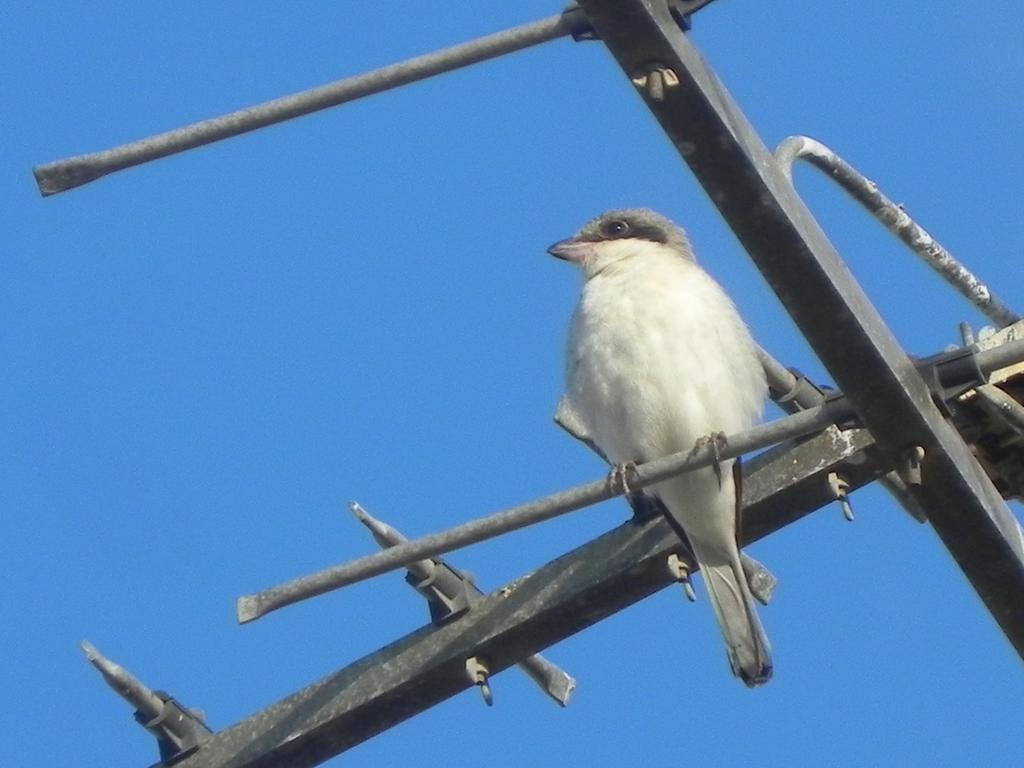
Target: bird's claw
column 620, row 476
column 718, row 442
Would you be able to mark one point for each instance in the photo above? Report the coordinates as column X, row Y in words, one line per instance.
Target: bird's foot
column 718, row 442
column 620, row 477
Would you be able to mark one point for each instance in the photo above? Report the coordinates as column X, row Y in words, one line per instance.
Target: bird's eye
column 615, row 228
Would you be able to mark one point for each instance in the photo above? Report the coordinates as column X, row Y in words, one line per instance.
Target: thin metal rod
column 790, row 392
column 125, row 684
column 73, row 172
column 254, row 606
column 251, row 607
column 896, row 220
column 997, row 358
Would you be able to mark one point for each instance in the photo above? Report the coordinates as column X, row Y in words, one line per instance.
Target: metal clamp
column 178, row 730
column 910, row 465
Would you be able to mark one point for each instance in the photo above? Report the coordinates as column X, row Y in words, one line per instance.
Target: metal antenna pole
column 752, row 193
column 794, row 393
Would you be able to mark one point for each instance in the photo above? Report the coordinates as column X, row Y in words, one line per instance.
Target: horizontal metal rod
column 897, row 221
column 73, row 172
column 1003, row 356
column 254, row 606
column 251, row 607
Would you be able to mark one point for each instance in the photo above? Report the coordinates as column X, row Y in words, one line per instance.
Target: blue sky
column 206, row 357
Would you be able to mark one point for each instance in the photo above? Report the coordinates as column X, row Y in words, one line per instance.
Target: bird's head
column 616, row 236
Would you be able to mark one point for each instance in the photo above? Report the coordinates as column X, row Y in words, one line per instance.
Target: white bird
column 658, row 360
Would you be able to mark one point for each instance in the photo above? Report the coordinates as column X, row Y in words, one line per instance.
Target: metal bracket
column 454, row 598
column 681, row 11
column 950, row 374
column 178, row 731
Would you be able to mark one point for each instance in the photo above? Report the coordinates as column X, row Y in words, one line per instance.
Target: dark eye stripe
column 606, row 230
column 613, row 229
column 649, row 232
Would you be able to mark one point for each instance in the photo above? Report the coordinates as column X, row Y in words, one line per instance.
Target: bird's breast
column 658, row 358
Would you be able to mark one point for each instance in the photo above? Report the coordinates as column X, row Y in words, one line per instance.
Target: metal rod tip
column 90, row 650
column 563, row 693
column 60, row 176
column 487, row 693
column 247, row 609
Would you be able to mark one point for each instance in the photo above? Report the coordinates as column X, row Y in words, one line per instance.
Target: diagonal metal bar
column 759, row 203
column 450, row 591
column 563, row 597
column 62, row 175
column 897, row 221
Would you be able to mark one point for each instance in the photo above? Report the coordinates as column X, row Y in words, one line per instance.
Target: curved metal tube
column 896, row 220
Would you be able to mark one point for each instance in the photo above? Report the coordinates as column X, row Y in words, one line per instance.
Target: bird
column 658, row 361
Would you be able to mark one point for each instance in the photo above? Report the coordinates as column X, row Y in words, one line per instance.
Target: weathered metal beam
column 563, row 597
column 759, row 203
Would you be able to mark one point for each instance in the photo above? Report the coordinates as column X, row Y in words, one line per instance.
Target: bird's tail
column 745, row 640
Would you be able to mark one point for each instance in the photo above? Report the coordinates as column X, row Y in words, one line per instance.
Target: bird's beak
column 570, row 249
